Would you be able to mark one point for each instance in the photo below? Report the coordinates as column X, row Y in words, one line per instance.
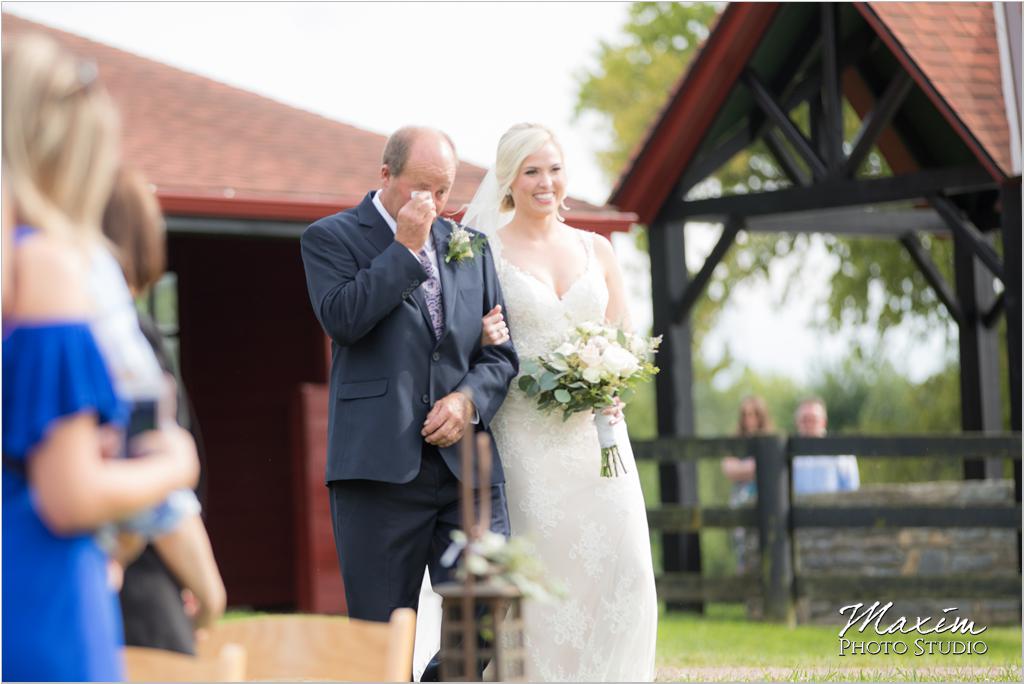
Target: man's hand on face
column 447, row 420
column 414, row 220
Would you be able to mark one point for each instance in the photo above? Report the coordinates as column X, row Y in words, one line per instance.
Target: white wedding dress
column 590, row 532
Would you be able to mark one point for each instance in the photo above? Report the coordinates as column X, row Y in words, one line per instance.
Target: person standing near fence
column 753, row 420
column 820, row 474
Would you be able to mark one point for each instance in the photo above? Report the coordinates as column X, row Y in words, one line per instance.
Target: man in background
column 819, row 474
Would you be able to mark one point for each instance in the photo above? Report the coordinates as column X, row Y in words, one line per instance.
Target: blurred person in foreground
column 820, row 474
column 753, row 420
column 181, row 559
column 60, row 150
column 6, row 248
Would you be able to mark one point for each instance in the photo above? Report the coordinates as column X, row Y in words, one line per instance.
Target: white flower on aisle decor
column 502, row 561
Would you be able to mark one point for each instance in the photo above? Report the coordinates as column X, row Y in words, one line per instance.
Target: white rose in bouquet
column 566, row 349
column 639, row 346
column 619, row 362
column 590, row 355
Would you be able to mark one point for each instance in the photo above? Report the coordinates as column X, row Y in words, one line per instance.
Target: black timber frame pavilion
column 760, row 63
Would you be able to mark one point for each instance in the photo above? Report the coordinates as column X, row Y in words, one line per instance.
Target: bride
column 590, row 531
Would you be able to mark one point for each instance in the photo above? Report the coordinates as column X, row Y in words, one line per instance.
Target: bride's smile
column 540, row 186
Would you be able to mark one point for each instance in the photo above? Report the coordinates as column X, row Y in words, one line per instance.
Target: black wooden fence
column 776, row 517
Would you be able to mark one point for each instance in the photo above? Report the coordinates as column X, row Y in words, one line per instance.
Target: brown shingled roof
column 218, row 150
column 955, row 46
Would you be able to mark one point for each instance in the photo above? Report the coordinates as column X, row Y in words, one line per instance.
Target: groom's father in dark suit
column 409, row 375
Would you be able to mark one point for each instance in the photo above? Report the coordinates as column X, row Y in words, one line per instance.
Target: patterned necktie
column 432, row 293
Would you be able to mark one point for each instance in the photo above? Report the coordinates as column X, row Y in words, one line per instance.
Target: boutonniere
column 462, row 245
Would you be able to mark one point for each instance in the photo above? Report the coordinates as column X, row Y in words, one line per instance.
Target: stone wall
column 909, row 552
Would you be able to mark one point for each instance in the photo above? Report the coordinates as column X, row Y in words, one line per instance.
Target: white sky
column 472, row 69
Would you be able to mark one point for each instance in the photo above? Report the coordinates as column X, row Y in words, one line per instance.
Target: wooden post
column 980, row 405
column 1011, row 230
column 467, row 512
column 773, row 507
column 677, row 481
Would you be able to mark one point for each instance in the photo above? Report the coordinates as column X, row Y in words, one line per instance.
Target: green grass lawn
column 725, row 642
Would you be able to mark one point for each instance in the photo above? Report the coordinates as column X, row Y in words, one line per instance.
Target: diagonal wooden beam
column 876, row 120
column 785, row 159
column 931, row 273
column 695, row 287
column 712, row 160
column 854, row 49
column 776, row 115
column 961, row 226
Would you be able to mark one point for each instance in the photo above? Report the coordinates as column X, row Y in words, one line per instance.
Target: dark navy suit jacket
column 388, row 369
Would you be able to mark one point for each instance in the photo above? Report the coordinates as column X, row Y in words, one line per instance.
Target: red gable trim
column 922, row 80
column 287, row 209
column 670, row 147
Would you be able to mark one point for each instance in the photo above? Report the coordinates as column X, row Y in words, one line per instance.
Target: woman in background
column 753, row 420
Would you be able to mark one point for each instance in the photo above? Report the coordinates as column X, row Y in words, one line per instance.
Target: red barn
column 239, row 177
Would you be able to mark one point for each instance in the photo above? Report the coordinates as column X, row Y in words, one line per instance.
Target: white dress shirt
column 393, row 225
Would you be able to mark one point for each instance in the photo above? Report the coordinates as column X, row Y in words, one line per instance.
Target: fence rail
column 776, row 518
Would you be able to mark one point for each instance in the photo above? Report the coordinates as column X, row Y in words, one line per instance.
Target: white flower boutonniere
column 462, row 245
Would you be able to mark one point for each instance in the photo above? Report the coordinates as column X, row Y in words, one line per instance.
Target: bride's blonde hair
column 60, row 138
column 518, row 143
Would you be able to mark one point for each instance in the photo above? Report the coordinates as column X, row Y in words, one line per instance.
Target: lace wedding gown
column 590, row 532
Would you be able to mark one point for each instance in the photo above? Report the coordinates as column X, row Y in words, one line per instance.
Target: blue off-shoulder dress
column 61, row 620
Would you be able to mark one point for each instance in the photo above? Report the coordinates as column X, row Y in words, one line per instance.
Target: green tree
column 631, row 80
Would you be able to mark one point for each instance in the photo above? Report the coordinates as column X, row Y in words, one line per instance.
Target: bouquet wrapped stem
column 611, row 459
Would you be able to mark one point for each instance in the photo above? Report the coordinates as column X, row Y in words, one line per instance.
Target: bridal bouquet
column 587, row 372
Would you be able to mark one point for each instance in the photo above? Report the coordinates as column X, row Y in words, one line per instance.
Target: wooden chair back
column 321, row 647
column 227, row 664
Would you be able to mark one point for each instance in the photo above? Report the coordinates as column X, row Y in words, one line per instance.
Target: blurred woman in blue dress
column 61, row 414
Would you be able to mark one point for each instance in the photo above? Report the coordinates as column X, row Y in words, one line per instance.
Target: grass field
column 724, row 646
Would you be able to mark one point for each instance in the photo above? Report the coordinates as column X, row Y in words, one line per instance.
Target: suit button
column 425, row 398
column 436, row 356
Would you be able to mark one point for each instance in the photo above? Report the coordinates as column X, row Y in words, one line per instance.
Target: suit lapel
column 440, row 232
column 380, row 236
column 375, row 227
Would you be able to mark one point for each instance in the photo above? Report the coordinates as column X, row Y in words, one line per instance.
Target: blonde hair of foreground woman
column 60, row 138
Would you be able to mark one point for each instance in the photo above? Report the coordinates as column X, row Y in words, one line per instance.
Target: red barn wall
column 248, row 339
